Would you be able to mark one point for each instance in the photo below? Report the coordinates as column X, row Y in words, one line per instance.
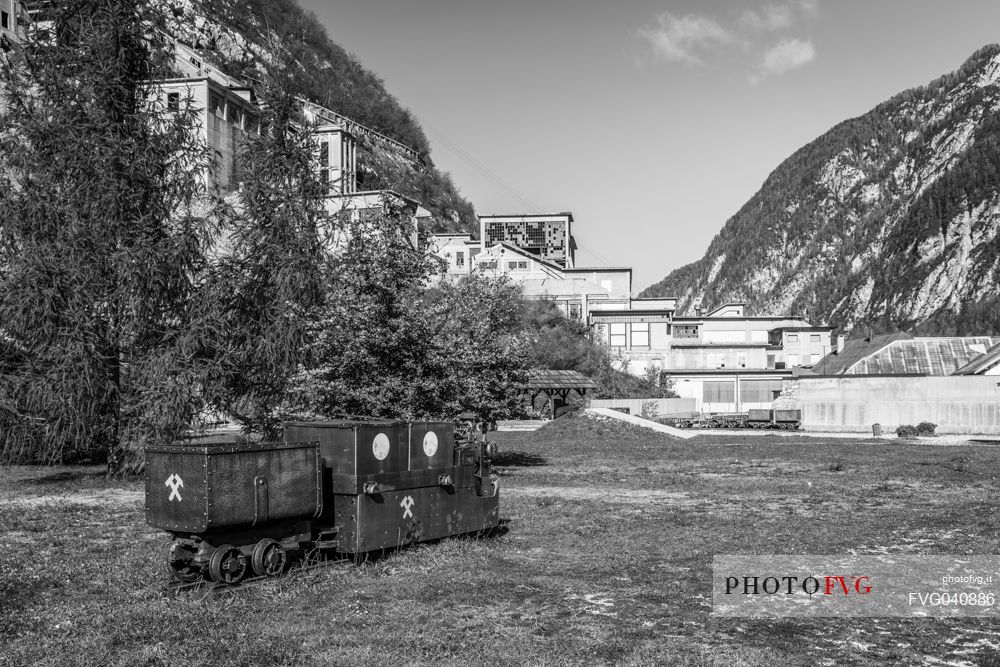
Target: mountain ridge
column 889, row 220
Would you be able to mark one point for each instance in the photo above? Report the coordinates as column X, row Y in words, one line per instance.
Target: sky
column 652, row 121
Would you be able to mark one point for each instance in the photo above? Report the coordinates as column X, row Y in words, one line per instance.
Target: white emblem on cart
column 174, row 482
column 430, row 443
column 380, row 446
column 406, row 503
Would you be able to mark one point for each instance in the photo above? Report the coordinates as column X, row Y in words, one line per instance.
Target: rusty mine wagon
column 338, row 487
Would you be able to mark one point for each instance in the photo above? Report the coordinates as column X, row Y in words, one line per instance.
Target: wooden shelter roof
column 546, row 379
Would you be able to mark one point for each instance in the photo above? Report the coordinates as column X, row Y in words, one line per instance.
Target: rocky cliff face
column 247, row 38
column 889, row 220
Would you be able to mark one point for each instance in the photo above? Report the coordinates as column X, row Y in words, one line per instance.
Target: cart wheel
column 180, row 562
column 227, row 564
column 268, row 558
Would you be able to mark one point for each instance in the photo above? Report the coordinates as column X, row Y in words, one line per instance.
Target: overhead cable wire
column 469, row 159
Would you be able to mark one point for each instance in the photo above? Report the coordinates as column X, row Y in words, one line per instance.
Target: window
column 324, row 154
column 518, row 266
column 759, row 391
column 617, row 334
column 4, row 20
column 173, row 101
column 324, row 175
column 488, row 266
column 575, row 311
column 459, row 259
column 234, row 174
column 743, row 361
column 215, row 104
column 686, row 331
column 793, row 360
column 793, row 338
column 640, row 334
column 718, row 392
column 813, row 338
column 770, row 361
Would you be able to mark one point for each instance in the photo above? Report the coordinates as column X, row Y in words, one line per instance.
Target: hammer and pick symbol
column 174, row 482
column 406, row 503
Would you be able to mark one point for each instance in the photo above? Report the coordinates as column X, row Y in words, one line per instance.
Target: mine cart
column 345, row 487
column 231, row 500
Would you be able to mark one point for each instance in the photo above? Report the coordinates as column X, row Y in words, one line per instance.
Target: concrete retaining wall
column 957, row 404
column 664, row 406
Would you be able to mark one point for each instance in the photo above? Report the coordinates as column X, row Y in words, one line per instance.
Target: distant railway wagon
column 770, row 419
column 339, row 487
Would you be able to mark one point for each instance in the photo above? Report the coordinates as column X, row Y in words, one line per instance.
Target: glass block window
column 759, row 391
column 714, row 391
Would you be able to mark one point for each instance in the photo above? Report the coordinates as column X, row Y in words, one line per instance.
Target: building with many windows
column 548, row 237
column 725, row 359
column 577, row 291
column 227, row 113
column 729, row 361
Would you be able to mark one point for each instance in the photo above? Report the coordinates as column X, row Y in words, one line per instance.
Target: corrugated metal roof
column 982, row 363
column 899, row 354
column 837, row 363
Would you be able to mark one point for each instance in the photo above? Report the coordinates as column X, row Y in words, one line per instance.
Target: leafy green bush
column 907, row 431
column 926, row 428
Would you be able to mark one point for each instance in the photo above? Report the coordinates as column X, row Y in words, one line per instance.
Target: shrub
column 906, row 431
column 926, row 428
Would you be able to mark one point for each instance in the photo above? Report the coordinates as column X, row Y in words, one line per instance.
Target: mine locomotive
column 238, row 508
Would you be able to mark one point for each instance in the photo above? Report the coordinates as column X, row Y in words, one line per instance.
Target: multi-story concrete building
column 13, row 20
column 456, row 252
column 577, row 291
column 729, row 361
column 228, row 112
column 549, row 237
column 725, row 359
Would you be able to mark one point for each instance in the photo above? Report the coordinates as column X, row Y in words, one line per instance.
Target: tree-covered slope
column 246, row 37
column 890, row 219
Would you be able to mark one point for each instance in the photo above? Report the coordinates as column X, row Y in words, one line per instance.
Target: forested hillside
column 889, row 220
column 246, row 37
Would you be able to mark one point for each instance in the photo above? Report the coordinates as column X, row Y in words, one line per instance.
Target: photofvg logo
column 855, row 586
column 787, row 585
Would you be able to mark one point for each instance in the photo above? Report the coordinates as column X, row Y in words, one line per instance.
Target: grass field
column 607, row 560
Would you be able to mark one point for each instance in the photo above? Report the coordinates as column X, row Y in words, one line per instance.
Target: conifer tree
column 102, row 241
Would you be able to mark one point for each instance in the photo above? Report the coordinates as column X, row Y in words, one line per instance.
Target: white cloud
column 750, row 34
column 786, row 55
column 770, row 17
column 680, row 39
column 809, row 8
